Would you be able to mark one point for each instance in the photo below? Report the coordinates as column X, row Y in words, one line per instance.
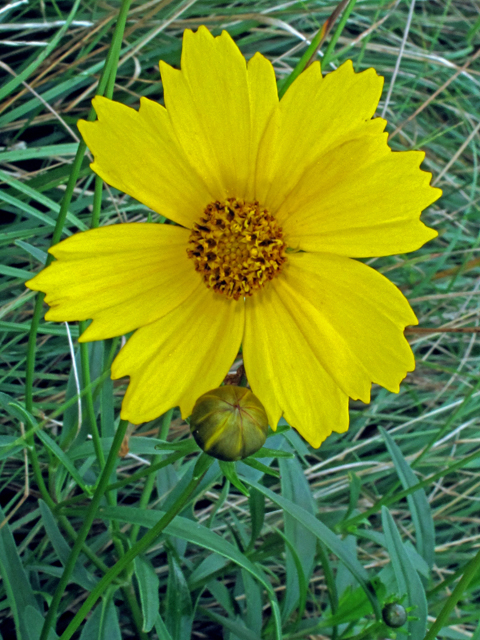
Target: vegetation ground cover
column 320, row 531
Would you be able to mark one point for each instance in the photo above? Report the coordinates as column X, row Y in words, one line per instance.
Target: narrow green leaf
column 407, row 578
column 178, row 602
column 296, row 489
column 257, row 514
column 265, row 452
column 148, row 585
column 38, row 196
column 222, row 595
column 198, row 534
column 254, row 616
column 417, row 501
column 17, row 80
column 234, row 626
column 302, row 582
column 35, row 624
column 229, row 471
column 50, row 151
column 13, row 272
column 35, row 252
column 161, row 629
column 15, row 581
column 64, row 459
column 329, row 539
column 103, row 623
column 259, row 466
column 79, row 575
column 186, row 530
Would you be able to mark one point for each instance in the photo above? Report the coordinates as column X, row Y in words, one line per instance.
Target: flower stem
column 470, row 570
column 337, row 34
column 203, row 463
column 82, row 535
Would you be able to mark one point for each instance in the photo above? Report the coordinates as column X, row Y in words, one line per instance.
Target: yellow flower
column 271, row 201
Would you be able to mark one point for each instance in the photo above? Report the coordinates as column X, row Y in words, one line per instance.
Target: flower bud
column 229, row 423
column 394, row 615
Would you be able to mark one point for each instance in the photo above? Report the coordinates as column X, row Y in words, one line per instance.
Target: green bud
column 394, row 615
column 229, row 423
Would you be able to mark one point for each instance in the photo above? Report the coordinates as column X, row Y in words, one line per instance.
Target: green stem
column 97, row 202
column 203, row 463
column 131, row 599
column 338, row 31
column 82, row 535
column 471, row 569
column 301, row 64
column 150, row 483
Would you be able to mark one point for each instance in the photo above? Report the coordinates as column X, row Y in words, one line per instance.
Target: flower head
column 272, row 201
column 229, row 423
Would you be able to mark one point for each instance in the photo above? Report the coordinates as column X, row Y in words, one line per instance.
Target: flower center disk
column 237, row 246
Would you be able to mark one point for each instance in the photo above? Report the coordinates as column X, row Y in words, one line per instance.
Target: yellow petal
column 137, row 152
column 316, row 114
column 285, row 373
column 176, row 359
column 361, row 199
column 123, row 276
column 353, row 319
column 219, row 110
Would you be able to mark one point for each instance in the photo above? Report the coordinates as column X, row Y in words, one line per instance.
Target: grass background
column 427, row 52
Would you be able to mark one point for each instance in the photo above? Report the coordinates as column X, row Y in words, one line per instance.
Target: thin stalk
column 82, row 535
column 150, row 483
column 131, row 599
column 203, row 463
column 338, row 32
column 86, row 382
column 470, row 570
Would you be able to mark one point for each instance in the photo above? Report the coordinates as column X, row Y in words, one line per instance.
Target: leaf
column 161, row 629
column 259, row 466
column 417, row 501
column 302, row 582
column 39, row 152
column 234, row 626
column 329, row 539
column 197, row 534
column 103, row 623
column 36, row 253
column 148, row 585
column 34, row 194
column 64, row 459
column 178, row 604
column 222, row 595
column 296, row 488
column 407, row 578
column 229, row 471
column 79, row 574
column 35, row 624
column 15, row 409
column 257, row 514
column 15, row 581
column 254, row 615
column 5, row 442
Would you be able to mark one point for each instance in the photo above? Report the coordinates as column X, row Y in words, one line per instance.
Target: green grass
column 303, row 554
